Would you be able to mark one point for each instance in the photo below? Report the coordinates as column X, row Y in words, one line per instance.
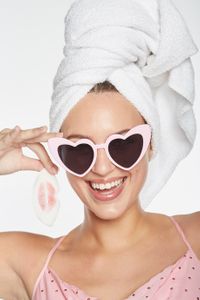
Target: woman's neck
column 114, row 235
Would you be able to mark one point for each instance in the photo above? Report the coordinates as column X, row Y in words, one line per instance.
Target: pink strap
column 53, row 250
column 181, row 233
column 46, row 263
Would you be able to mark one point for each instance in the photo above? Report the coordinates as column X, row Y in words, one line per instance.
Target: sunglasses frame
column 55, row 142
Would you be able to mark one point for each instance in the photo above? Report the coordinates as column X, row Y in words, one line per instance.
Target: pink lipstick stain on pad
column 45, row 197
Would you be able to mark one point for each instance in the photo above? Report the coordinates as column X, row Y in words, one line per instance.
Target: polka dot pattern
column 178, row 281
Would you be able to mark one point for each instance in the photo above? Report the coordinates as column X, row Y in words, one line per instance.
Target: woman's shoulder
column 20, row 253
column 18, row 247
column 24, row 253
column 14, row 243
column 189, row 221
column 190, row 225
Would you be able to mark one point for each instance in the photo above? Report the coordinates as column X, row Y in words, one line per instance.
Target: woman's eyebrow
column 88, row 137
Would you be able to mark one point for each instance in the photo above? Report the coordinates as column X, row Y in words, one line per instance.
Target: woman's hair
column 106, row 86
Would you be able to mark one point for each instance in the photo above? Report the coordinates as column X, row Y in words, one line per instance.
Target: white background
column 32, row 40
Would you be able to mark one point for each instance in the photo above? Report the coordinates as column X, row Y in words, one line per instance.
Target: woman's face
column 98, row 116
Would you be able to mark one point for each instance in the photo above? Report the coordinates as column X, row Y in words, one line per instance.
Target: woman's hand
column 12, row 158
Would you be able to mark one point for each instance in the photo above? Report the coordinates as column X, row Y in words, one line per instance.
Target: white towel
column 143, row 47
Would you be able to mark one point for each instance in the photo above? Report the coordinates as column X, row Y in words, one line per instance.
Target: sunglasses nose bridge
column 99, row 146
column 102, row 164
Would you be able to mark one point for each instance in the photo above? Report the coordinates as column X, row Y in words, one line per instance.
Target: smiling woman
column 119, row 103
column 116, row 233
column 121, row 157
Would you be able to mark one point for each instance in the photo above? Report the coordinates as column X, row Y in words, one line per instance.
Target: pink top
column 178, row 281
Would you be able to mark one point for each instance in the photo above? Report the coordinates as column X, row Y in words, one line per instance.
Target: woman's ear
column 150, row 151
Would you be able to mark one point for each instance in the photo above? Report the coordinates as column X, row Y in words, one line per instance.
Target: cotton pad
column 45, row 197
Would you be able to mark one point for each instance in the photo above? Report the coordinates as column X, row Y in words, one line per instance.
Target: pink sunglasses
column 124, row 151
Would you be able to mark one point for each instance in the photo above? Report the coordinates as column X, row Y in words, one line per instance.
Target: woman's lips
column 107, row 195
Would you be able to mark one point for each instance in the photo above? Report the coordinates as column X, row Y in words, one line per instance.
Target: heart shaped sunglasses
column 124, row 151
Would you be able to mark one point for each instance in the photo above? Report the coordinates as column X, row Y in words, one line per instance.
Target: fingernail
column 54, row 170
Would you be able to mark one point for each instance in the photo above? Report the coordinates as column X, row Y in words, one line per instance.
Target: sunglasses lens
column 78, row 159
column 126, row 152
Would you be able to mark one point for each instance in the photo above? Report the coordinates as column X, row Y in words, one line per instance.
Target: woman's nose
column 103, row 165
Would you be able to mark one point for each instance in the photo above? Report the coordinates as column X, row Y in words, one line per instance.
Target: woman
column 120, row 251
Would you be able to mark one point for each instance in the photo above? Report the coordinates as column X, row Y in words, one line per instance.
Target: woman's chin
column 108, row 214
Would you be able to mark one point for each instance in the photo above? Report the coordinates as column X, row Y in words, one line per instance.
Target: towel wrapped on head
column 144, row 48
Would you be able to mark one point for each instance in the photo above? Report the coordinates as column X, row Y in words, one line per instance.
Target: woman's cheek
column 77, row 184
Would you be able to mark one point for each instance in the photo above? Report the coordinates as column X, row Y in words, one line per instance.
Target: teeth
column 107, row 186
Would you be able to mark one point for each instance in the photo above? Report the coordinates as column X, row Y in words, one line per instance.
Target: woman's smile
column 107, row 194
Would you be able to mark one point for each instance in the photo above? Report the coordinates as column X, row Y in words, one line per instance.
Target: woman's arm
column 11, row 285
